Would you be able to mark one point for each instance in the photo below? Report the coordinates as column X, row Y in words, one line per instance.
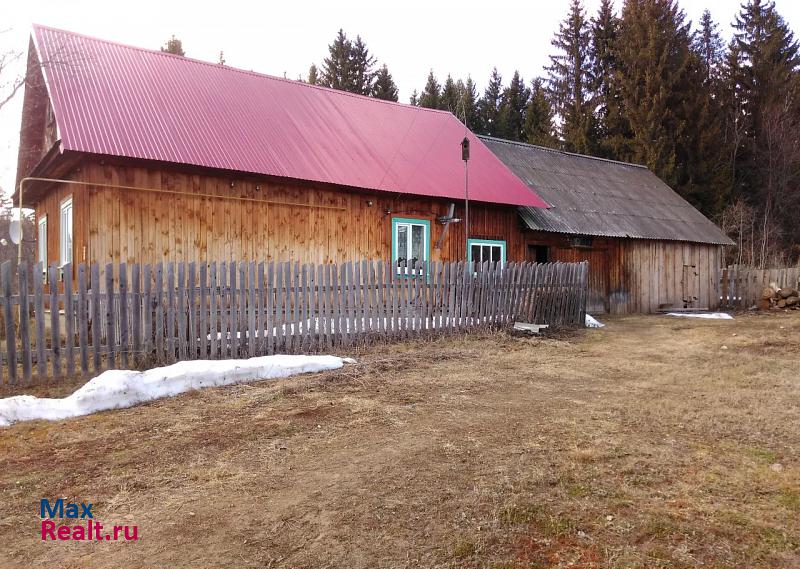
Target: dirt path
column 644, row 444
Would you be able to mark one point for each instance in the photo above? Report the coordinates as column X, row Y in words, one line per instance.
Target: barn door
column 691, row 285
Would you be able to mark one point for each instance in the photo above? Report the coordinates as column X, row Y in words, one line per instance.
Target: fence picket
column 8, row 313
column 55, row 324
column 83, row 320
column 24, row 322
column 124, row 347
column 38, row 308
column 136, row 313
column 69, row 320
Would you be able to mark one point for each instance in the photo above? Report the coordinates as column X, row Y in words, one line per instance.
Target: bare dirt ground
column 643, row 444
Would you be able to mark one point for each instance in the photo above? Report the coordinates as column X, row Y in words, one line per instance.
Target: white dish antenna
column 15, row 231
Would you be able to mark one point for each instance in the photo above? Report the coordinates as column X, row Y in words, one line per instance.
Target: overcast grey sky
column 280, row 38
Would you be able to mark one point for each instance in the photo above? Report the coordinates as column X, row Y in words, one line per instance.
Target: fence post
column 24, row 321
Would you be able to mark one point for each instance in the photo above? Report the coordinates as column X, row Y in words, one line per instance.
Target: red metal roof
column 125, row 101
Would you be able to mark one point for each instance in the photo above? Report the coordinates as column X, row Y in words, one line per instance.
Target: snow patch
column 592, row 322
column 117, row 389
column 710, row 315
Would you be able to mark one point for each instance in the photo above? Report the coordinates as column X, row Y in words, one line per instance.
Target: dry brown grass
column 644, row 444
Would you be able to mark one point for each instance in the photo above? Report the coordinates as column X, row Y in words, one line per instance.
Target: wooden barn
column 165, row 158
column 648, row 248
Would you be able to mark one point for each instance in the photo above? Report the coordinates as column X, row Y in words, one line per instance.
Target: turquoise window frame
column 426, row 248
column 495, row 242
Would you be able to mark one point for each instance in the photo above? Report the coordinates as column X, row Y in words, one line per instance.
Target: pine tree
column 489, row 106
column 513, row 103
column 431, row 96
column 570, row 78
column 173, row 46
column 313, row 75
column 414, row 99
column 450, row 96
column 654, row 57
column 612, row 130
column 384, row 87
column 362, row 68
column 539, row 125
column 337, row 67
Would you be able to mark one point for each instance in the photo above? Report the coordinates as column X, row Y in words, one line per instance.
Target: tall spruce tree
column 513, row 103
column 362, row 68
column 413, row 100
column 612, row 130
column 539, row 124
column 467, row 110
column 431, row 96
column 450, row 96
column 708, row 46
column 489, row 106
column 654, row 57
column 570, row 80
column 337, row 69
column 384, row 87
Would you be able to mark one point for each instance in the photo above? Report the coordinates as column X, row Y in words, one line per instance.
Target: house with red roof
column 138, row 156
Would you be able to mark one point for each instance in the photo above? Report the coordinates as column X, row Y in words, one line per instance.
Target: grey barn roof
column 594, row 196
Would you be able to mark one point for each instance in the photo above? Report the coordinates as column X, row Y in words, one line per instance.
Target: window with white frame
column 65, row 232
column 41, row 240
column 410, row 243
column 482, row 250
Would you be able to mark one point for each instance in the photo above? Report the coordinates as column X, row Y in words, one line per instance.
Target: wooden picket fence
column 132, row 316
column 741, row 286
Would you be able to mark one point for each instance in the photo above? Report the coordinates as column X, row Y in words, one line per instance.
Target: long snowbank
column 116, row 389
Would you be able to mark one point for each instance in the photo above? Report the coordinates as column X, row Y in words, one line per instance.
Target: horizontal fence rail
column 741, row 287
column 70, row 320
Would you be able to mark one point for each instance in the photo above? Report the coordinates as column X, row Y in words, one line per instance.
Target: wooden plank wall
column 113, row 226
column 643, row 275
column 134, row 317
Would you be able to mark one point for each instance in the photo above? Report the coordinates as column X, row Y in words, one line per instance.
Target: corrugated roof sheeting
column 135, row 103
column 592, row 196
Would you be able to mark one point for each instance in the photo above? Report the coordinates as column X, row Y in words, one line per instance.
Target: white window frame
column 65, row 234
column 488, row 243
column 41, row 238
column 408, row 223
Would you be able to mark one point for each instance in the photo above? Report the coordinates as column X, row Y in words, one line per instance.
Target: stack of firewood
column 774, row 297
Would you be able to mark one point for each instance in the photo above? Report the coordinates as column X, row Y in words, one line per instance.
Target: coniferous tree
column 539, row 117
column 768, row 158
column 570, row 80
column 414, row 99
column 362, row 68
column 450, row 96
column 513, row 103
column 313, row 75
column 612, row 131
column 173, row 46
column 384, row 87
column 654, row 57
column 431, row 96
column 707, row 44
column 489, row 106
column 337, row 67
column 468, row 104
